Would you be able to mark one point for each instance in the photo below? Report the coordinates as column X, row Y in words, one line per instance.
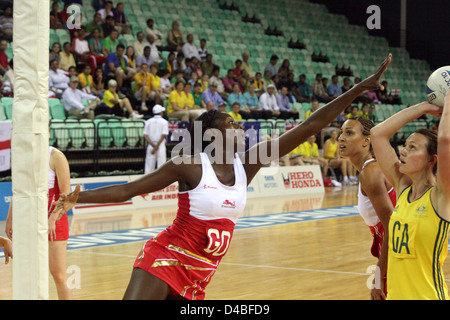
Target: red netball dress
column 186, row 254
column 62, row 226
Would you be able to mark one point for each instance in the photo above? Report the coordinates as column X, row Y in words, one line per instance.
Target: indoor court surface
column 311, row 248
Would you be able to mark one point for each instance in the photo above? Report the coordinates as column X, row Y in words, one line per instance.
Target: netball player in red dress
column 180, row 261
column 58, row 225
column 376, row 196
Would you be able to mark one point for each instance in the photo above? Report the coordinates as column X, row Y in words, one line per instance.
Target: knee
column 59, row 275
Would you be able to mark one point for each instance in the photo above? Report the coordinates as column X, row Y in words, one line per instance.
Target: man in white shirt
column 154, row 32
column 154, row 52
column 139, row 44
column 73, row 104
column 106, row 11
column 189, row 49
column 58, row 81
column 268, row 101
column 155, row 131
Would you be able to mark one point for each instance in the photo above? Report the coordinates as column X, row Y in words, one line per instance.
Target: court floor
column 290, row 248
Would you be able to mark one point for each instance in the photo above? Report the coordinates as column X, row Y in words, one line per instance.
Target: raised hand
column 373, row 82
column 67, row 201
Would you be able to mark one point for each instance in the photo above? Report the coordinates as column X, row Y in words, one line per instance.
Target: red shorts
column 186, row 262
column 62, row 229
column 378, row 234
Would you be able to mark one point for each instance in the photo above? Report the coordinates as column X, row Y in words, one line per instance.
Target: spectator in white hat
column 112, row 104
column 156, row 130
column 72, row 100
column 268, row 101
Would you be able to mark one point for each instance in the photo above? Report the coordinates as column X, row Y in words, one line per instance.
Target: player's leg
column 57, row 264
column 145, row 286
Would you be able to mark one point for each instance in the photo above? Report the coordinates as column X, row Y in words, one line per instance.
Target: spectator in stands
column 197, row 94
column 268, row 101
column 258, row 84
column 267, row 81
column 215, row 77
column 283, row 72
column 309, row 151
column 204, row 81
column 229, row 81
column 157, row 35
column 96, row 23
column 146, row 57
column 207, row 65
column 193, row 109
column 107, row 10
column 98, row 81
column 112, row 104
column 331, row 154
column 318, row 90
column 130, row 55
column 96, row 44
column 271, row 66
column 154, row 51
column 189, row 49
column 175, row 38
column 168, row 63
column 72, row 100
column 72, row 72
column 80, row 47
column 166, row 86
column 384, row 95
column 178, row 64
column 251, row 100
column 284, row 105
column 236, row 95
column 156, row 130
column 177, row 103
column 120, row 20
column 364, row 97
column 4, row 63
column 237, row 69
column 234, row 113
column 143, row 86
column 305, row 89
column 346, row 85
column 67, row 59
column 371, row 113
column 211, row 95
column 246, row 65
column 294, row 92
column 364, row 112
column 202, row 52
column 86, row 82
column 117, row 66
column 54, row 52
column 64, row 16
column 55, row 19
column 353, row 113
column 196, row 66
column 108, row 26
column 155, row 85
column 140, row 43
column 111, row 42
column 6, row 24
column 58, row 80
column 334, row 89
column 314, row 107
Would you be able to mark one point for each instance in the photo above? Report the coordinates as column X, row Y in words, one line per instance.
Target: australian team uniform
column 62, row 225
column 418, row 245
column 370, row 217
column 186, row 254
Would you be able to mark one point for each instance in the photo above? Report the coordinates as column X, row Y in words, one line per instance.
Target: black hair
column 208, row 119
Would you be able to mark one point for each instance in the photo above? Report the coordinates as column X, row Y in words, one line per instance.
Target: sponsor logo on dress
column 229, row 204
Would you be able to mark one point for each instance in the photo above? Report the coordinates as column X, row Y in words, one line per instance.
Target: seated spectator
column 204, row 82
column 96, row 44
column 111, row 42
column 353, row 113
column 107, row 10
column 140, row 43
column 178, row 64
column 207, row 65
column 268, row 101
column 166, row 86
column 157, row 35
column 54, row 52
column 331, row 154
column 95, row 24
column 252, row 101
column 384, row 95
column 197, row 94
column 175, row 38
column 4, row 63
column 318, row 90
column 237, row 69
column 154, row 51
column 55, row 19
column 284, row 70
column 364, row 97
column 372, row 114
column 193, row 79
column 168, row 63
column 247, row 66
column 283, row 103
column 72, row 100
column 120, row 20
column 346, row 86
column 237, row 97
column 143, row 86
column 211, row 95
column 196, row 66
column 117, row 66
column 112, row 104
column 309, row 151
column 66, row 58
column 156, row 91
column 108, row 26
column 6, row 24
column 98, row 82
column 364, row 112
column 314, row 107
column 215, row 77
column 194, row 111
column 58, row 80
column 234, row 113
column 229, row 81
column 179, row 76
column 189, row 49
column 177, row 103
column 87, row 84
column 305, row 89
column 130, row 55
column 202, row 51
column 267, row 80
column 258, row 84
column 334, row 89
column 82, row 51
column 271, row 66
column 293, row 158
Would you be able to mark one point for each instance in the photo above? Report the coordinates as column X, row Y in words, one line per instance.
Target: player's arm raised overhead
column 385, row 153
column 322, row 117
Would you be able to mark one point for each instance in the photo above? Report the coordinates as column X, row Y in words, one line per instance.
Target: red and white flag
column 5, row 145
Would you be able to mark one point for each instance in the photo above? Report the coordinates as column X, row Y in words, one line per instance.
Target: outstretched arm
column 318, row 120
column 382, row 133
column 443, row 163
